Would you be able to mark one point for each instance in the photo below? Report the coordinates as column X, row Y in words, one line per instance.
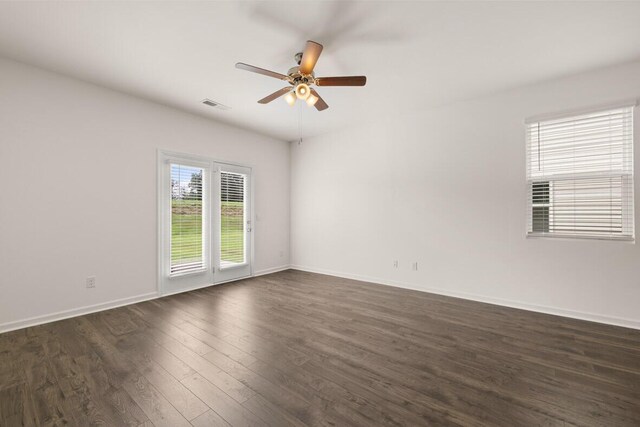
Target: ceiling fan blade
column 320, row 104
column 342, row 81
column 247, row 67
column 310, row 56
column 275, row 95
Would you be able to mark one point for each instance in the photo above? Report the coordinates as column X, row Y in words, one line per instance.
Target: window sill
column 628, row 239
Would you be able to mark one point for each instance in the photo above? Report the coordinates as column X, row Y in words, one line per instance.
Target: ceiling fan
column 300, row 79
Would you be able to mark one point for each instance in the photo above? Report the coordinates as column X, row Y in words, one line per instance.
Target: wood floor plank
column 153, row 403
column 338, row 345
column 50, row 405
column 125, row 407
column 217, row 344
column 412, row 393
column 230, row 410
column 134, row 347
column 15, row 406
column 270, row 413
column 152, row 315
column 296, row 348
column 231, row 386
column 325, row 385
column 83, row 379
column 108, row 370
column 292, row 403
column 210, row 419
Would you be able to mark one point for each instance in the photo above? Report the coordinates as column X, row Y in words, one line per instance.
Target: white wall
column 446, row 188
column 78, row 174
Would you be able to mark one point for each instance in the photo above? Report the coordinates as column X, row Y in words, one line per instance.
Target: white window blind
column 232, row 219
column 187, row 227
column 580, row 175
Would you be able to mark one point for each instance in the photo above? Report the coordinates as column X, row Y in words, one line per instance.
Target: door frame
column 162, row 280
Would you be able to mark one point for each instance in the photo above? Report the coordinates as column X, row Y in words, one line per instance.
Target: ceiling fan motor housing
column 297, row 77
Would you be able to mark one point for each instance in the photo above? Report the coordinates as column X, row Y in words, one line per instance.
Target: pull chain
column 299, row 126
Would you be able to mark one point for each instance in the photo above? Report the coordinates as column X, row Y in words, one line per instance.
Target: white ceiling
column 416, row 55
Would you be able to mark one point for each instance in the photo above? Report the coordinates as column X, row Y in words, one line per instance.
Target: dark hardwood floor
column 295, row 348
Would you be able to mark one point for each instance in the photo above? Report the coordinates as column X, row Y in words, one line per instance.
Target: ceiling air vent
column 214, row 104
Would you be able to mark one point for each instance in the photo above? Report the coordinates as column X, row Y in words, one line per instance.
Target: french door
column 205, row 222
column 232, row 219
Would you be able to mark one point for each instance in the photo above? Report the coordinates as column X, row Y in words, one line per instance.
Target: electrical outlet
column 415, row 266
column 395, row 264
column 91, row 282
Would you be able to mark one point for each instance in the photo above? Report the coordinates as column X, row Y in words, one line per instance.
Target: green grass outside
column 186, row 231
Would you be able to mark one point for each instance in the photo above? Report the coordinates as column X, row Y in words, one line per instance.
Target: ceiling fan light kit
column 302, row 91
column 290, row 98
column 302, row 78
column 311, row 100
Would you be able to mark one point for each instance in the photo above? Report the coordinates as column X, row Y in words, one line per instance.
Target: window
column 580, row 175
column 187, row 227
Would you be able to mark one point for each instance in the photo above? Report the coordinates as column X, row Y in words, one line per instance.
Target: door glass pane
column 232, row 219
column 187, row 226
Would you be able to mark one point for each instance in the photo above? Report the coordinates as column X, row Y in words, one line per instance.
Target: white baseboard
column 592, row 317
column 74, row 312
column 271, row 270
column 66, row 314
column 61, row 315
